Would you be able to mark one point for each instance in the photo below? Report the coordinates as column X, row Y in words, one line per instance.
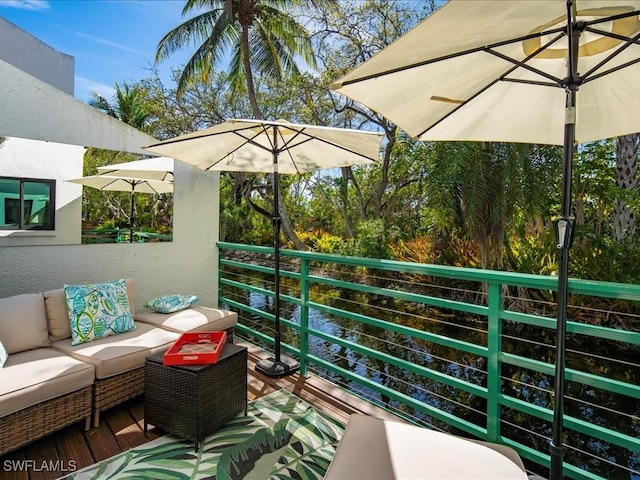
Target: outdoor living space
column 121, row 428
column 424, row 279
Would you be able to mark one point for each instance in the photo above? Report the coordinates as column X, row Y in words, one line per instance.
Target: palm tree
column 626, row 179
column 256, row 34
column 128, row 106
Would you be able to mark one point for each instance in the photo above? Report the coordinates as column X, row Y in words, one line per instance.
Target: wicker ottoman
column 192, row 401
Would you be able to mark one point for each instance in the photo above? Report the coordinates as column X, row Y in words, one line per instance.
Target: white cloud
column 104, row 41
column 26, row 4
column 84, row 87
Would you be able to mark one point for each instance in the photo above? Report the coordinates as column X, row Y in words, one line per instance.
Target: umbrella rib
column 239, row 134
column 285, row 145
column 516, row 64
column 522, row 63
column 612, row 18
column 628, row 43
column 485, row 48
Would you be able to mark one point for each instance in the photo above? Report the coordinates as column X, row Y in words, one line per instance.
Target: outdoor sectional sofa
column 47, row 383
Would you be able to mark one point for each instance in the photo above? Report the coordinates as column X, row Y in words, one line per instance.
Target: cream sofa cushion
column 58, row 315
column 194, row 319
column 35, row 376
column 23, row 323
column 378, row 449
column 120, row 353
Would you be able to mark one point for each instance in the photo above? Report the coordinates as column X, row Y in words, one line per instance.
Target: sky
column 111, row 40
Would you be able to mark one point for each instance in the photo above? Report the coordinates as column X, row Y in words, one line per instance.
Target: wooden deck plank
column 137, row 412
column 102, row 442
column 43, row 450
column 14, row 466
column 121, row 428
column 127, row 432
column 72, row 449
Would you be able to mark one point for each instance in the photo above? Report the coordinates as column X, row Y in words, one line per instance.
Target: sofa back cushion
column 23, row 323
column 98, row 310
column 58, row 315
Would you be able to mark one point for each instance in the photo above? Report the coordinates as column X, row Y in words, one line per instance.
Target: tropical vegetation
column 484, row 205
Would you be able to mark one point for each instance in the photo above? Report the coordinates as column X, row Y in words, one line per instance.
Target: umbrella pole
column 565, row 225
column 131, row 214
column 280, row 365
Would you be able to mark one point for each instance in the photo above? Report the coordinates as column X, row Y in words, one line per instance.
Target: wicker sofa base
column 33, row 423
column 111, row 391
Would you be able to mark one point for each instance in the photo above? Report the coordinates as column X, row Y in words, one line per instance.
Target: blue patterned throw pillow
column 98, row 310
column 3, row 355
column 171, row 303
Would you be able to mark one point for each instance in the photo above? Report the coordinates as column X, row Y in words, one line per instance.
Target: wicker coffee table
column 192, row 401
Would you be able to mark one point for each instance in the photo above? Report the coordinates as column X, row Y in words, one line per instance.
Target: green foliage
column 321, row 241
column 372, row 240
column 468, row 204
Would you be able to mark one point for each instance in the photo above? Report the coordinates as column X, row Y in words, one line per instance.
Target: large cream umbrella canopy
column 125, row 184
column 276, row 147
column 534, row 71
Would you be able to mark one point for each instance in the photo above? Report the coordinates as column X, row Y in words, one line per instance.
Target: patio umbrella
column 541, row 71
column 276, row 147
column 156, row 168
column 125, row 184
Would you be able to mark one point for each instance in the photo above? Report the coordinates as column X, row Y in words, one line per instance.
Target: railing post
column 304, row 315
column 220, row 257
column 494, row 347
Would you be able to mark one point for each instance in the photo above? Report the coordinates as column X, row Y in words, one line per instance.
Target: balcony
column 463, row 350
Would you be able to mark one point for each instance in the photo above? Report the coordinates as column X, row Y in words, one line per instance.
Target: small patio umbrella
column 156, row 168
column 276, row 147
column 536, row 71
column 125, row 184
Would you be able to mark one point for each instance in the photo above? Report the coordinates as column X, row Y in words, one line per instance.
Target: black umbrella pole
column 131, row 217
column 276, row 278
column 565, row 225
column 279, row 365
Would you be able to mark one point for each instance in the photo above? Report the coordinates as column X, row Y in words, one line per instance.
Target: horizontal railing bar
column 604, row 383
column 269, row 316
column 260, row 290
column 412, row 367
column 576, row 424
column 430, row 337
column 446, row 417
column 573, row 327
column 257, row 268
column 400, row 295
column 592, row 288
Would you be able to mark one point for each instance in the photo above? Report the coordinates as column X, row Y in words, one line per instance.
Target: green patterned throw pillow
column 171, row 303
column 3, row 355
column 98, row 310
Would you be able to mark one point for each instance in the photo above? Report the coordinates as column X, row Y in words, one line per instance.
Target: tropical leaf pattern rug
column 282, row 437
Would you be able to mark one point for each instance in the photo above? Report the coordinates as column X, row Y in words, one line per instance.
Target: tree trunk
column 287, row 227
column 246, row 59
column 627, row 179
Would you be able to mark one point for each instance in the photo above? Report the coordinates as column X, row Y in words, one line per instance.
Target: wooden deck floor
column 121, row 428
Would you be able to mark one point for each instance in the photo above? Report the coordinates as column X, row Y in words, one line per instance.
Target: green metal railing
column 504, row 369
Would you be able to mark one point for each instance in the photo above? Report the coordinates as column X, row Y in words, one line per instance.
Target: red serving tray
column 195, row 348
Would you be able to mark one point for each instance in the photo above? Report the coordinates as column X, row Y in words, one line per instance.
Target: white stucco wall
column 49, row 161
column 31, row 55
column 187, row 265
column 36, row 103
